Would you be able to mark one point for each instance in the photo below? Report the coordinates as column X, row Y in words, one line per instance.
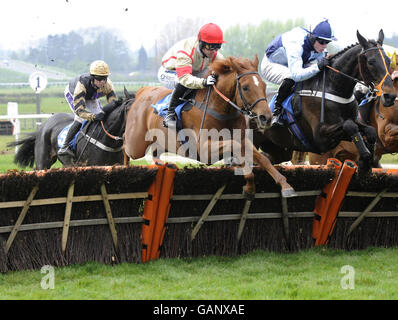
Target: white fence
column 14, row 117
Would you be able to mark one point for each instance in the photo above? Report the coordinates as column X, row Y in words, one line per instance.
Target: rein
column 348, row 76
column 117, row 138
column 110, row 135
column 205, row 111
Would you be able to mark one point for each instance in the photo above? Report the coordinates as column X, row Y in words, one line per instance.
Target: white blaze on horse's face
column 256, row 81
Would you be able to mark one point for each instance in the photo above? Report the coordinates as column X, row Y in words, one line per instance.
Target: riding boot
column 284, row 91
column 171, row 119
column 66, row 149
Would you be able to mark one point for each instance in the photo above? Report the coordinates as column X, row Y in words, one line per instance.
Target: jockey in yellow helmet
column 82, row 94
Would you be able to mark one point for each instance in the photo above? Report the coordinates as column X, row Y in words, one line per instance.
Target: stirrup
column 170, row 121
column 65, row 151
column 276, row 121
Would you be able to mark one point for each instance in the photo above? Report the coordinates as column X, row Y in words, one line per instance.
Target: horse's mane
column 371, row 42
column 230, row 64
column 221, row 66
column 343, row 51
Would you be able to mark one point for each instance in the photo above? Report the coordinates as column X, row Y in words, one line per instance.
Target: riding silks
column 323, row 200
column 338, row 194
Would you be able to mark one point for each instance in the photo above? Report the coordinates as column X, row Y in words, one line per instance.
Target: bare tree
column 175, row 31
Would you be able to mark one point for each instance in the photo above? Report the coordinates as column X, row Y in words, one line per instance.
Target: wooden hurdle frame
column 199, row 221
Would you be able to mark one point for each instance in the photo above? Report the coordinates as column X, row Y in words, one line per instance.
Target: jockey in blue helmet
column 290, row 57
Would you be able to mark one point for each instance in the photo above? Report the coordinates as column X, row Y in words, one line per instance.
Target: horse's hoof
column 248, row 196
column 289, row 193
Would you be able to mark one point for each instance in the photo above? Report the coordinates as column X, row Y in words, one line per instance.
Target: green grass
column 7, row 75
column 309, row 274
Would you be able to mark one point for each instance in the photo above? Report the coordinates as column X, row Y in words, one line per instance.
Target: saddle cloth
column 62, row 136
column 161, row 109
column 288, row 118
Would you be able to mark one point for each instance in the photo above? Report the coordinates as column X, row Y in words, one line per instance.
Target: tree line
column 76, row 50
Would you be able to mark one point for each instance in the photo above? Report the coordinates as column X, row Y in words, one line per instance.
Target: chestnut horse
column 323, row 126
column 223, row 111
column 383, row 119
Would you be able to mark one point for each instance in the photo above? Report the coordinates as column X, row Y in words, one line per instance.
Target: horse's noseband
column 247, row 108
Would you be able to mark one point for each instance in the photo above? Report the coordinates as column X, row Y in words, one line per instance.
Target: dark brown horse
column 238, row 95
column 383, row 119
column 324, row 128
column 98, row 143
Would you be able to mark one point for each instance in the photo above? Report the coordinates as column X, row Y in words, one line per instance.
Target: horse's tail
column 25, row 156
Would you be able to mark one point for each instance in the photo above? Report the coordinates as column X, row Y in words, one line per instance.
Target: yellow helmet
column 99, row 68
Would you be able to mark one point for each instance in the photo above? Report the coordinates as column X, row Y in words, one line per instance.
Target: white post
column 12, row 111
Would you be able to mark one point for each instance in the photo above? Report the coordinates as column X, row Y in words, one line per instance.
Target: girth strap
column 328, row 96
column 99, row 144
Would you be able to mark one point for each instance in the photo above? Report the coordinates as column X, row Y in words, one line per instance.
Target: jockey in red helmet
column 184, row 61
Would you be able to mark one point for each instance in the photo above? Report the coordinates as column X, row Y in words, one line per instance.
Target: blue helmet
column 323, row 31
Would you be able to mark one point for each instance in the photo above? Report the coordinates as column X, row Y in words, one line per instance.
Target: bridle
column 373, row 89
column 247, row 108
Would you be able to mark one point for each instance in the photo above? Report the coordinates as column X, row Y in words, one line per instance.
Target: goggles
column 322, row 41
column 212, row 46
column 100, row 78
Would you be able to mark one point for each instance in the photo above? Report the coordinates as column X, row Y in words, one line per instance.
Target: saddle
column 62, row 136
column 161, row 108
column 289, row 116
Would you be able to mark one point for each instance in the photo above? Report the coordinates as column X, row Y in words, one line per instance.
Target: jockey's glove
column 323, row 64
column 99, row 116
column 85, row 114
column 209, row 81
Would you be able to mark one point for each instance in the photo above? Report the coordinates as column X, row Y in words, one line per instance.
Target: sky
column 23, row 22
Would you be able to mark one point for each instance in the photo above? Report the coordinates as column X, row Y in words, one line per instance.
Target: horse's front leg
column 287, row 190
column 365, row 156
column 211, row 151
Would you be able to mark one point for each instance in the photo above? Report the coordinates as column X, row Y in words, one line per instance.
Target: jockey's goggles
column 322, row 41
column 212, row 46
column 100, row 78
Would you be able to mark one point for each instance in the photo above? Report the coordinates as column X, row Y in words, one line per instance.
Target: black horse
column 98, row 143
column 321, row 126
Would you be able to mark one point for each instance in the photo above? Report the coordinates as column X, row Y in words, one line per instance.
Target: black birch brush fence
column 74, row 215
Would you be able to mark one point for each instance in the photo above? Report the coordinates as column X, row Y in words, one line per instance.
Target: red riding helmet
column 211, row 33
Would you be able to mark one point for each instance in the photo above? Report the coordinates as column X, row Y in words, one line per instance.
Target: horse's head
column 250, row 89
column 373, row 66
column 115, row 121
